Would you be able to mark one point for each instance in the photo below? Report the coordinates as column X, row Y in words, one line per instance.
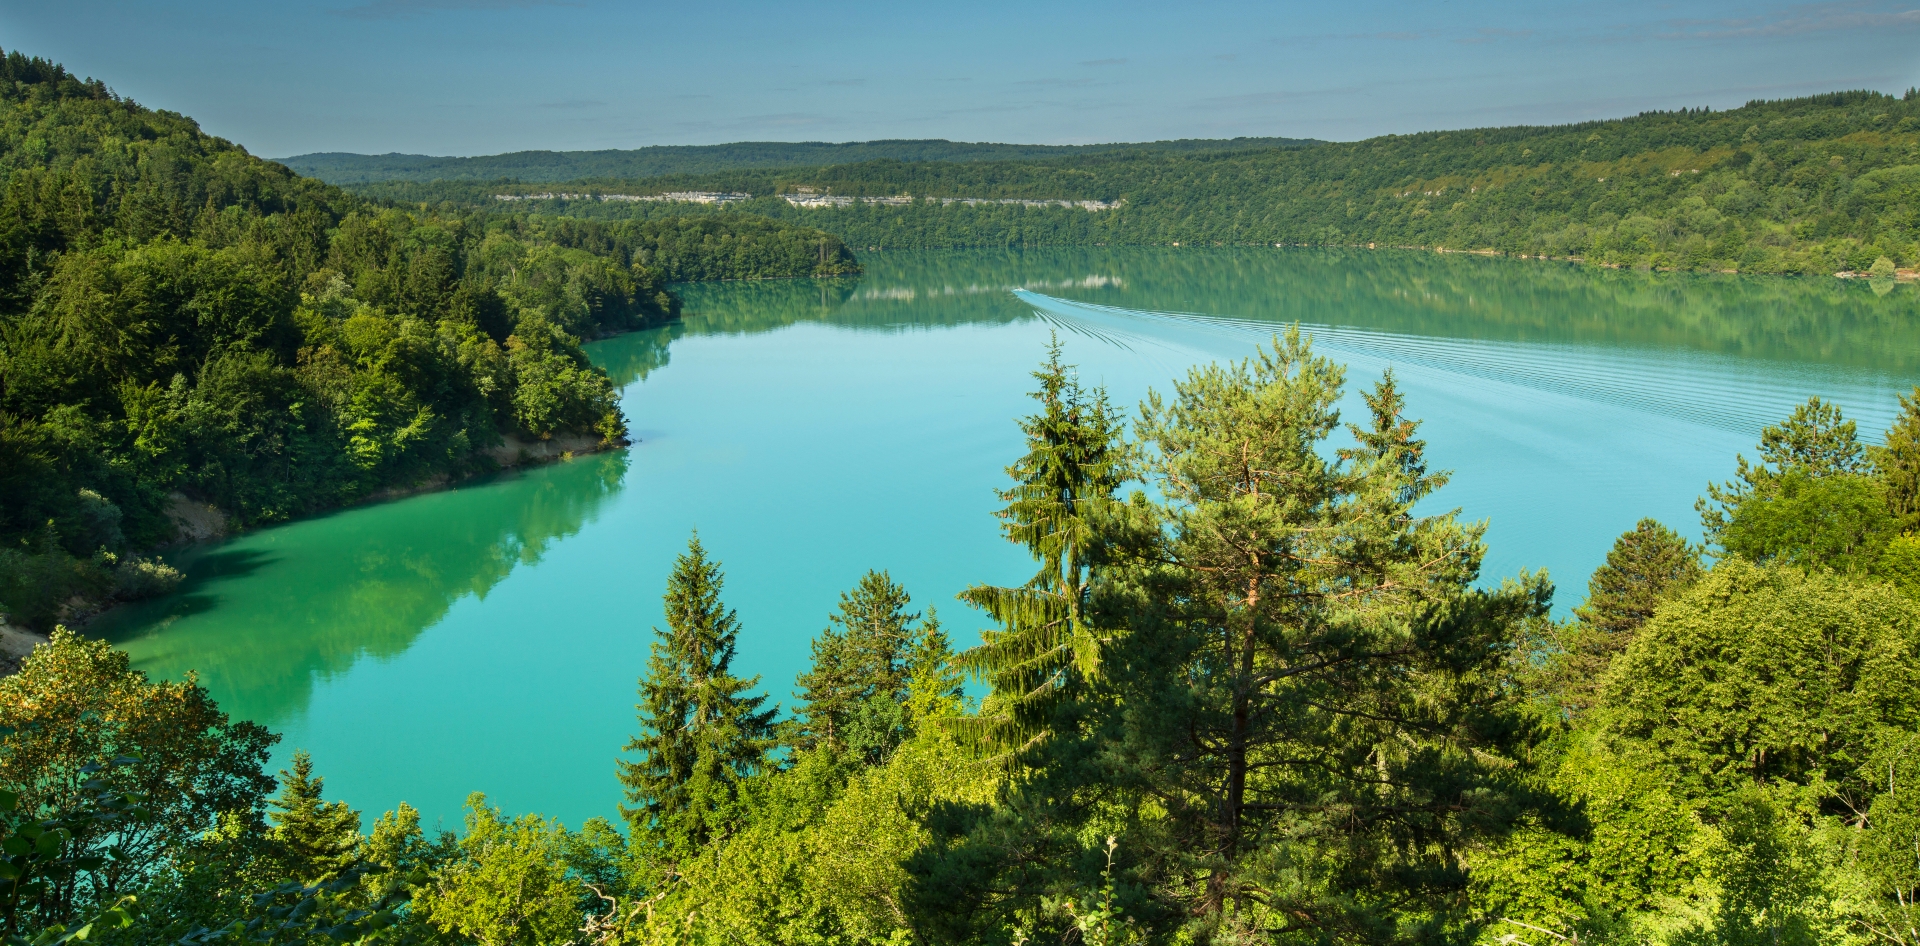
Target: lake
column 488, row 638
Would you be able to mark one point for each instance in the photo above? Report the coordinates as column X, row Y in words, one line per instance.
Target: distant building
column 680, row 197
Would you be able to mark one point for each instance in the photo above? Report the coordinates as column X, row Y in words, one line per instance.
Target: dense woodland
column 1250, row 695
column 180, row 319
column 538, row 166
column 1814, row 185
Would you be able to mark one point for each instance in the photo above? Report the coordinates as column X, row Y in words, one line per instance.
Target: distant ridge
column 549, row 166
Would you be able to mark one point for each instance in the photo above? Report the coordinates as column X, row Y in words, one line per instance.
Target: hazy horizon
column 461, row 78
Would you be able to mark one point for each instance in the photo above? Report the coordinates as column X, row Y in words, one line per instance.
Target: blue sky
column 286, row 77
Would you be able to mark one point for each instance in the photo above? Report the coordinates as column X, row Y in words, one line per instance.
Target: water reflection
column 1835, row 322
column 275, row 611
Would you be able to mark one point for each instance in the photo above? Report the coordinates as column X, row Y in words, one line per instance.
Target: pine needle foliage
column 1813, row 441
column 867, row 664
column 1898, row 463
column 1647, row 565
column 1814, row 500
column 1304, row 710
column 317, row 838
column 702, row 733
column 1075, row 461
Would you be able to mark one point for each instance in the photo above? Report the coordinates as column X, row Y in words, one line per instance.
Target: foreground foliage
column 1265, row 702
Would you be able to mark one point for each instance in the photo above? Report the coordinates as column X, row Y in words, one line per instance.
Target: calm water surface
column 488, row 638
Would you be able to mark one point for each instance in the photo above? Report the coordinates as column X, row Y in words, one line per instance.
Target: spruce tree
column 1813, row 501
column 1075, row 460
column 702, row 733
column 1898, row 463
column 1646, row 565
column 1814, row 442
column 1306, row 711
column 317, row 839
column 856, row 695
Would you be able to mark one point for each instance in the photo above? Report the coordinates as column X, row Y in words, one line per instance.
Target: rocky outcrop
column 516, row 452
column 15, row 644
column 197, row 521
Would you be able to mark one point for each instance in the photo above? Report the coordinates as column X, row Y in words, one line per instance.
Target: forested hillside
column 719, row 246
column 181, row 321
column 547, row 166
column 1813, row 185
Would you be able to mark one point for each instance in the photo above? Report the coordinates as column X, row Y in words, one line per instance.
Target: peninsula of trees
column 1815, row 185
column 181, row 321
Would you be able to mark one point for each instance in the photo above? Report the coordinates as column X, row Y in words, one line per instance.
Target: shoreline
column 200, row 523
column 1899, row 275
column 15, row 644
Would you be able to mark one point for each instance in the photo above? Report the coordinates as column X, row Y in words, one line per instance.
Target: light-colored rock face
column 196, row 520
column 15, row 644
column 514, row 451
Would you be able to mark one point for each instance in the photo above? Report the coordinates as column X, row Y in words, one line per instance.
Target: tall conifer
column 1307, row 713
column 701, row 732
column 1646, row 565
column 857, row 694
column 1899, row 463
column 317, row 838
column 1075, row 460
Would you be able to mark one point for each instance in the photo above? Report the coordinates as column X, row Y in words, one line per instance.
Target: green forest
column 1257, row 689
column 1249, row 694
column 181, row 322
column 549, row 166
column 1815, row 185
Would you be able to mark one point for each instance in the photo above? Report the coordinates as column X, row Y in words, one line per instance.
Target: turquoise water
column 488, row 638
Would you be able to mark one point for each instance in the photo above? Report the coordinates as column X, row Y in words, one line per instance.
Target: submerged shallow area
column 488, row 637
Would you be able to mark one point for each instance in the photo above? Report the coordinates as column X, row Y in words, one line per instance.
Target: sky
column 467, row 77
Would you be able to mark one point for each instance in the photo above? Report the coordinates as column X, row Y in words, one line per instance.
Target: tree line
column 551, row 166
column 180, row 320
column 1257, row 689
column 1812, row 185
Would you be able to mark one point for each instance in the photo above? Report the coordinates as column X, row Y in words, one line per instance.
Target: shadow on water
column 262, row 616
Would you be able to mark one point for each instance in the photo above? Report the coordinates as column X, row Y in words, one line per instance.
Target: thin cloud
column 1489, row 35
column 1054, row 82
column 1795, row 21
column 845, row 82
column 408, row 9
column 1392, row 36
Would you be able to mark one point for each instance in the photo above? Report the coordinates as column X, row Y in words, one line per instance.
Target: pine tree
column 701, row 732
column 1075, row 461
column 1645, row 566
column 856, row 696
column 1813, row 501
column 1898, row 463
column 317, row 839
column 1814, row 442
column 1309, row 706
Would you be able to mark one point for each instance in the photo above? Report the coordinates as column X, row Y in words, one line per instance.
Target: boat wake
column 1712, row 390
